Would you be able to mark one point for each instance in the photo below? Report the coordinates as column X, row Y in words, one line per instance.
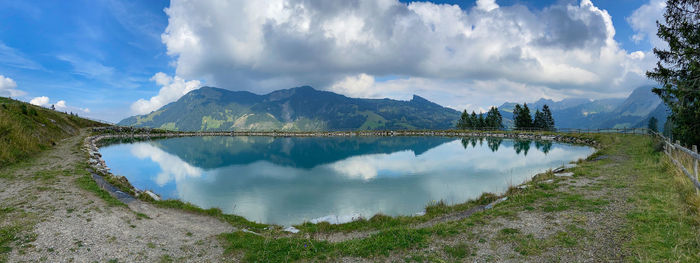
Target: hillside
column 26, row 129
column 301, row 108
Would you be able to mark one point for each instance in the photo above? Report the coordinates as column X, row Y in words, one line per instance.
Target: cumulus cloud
column 40, row 101
column 342, row 46
column 8, row 87
column 59, row 105
column 486, row 5
column 643, row 22
column 172, row 88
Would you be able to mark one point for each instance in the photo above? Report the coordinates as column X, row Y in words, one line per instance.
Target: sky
column 110, row 59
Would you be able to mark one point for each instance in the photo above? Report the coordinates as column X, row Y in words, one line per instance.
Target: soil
column 74, row 225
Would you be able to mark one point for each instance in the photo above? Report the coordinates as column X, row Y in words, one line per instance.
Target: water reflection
column 291, row 180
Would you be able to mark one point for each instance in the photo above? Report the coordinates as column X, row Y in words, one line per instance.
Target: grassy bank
column 26, row 129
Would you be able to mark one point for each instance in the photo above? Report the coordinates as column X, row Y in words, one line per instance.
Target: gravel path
column 74, row 225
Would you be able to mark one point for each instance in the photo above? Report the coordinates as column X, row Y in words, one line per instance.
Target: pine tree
column 516, row 115
column 474, row 120
column 521, row 117
column 464, row 121
column 548, row 119
column 539, row 121
column 494, row 119
column 526, row 117
column 678, row 68
column 482, row 121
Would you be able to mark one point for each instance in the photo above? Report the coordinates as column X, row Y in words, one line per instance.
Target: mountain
column 301, row 108
column 631, row 112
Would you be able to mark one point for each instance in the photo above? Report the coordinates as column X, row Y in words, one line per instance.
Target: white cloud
column 172, row 88
column 59, row 105
column 40, row 101
column 361, row 85
column 343, row 46
column 486, row 5
column 643, row 22
column 8, row 87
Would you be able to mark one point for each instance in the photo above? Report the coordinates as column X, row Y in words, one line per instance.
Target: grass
column 26, row 129
column 266, row 249
column 14, row 226
column 86, row 182
column 380, row 221
column 664, row 225
column 234, row 220
column 458, row 251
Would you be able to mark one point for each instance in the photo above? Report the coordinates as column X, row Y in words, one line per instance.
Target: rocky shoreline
column 98, row 165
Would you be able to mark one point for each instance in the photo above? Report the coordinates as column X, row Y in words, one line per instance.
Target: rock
column 492, row 204
column 152, row 195
column 564, row 174
column 254, row 233
column 523, row 186
column 334, row 219
column 291, row 229
column 420, row 213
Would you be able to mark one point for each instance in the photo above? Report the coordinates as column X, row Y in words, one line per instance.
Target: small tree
column 464, row 121
column 548, row 118
column 474, row 120
column 521, row 117
column 52, row 107
column 653, row 124
column 539, row 121
column 482, row 121
column 494, row 118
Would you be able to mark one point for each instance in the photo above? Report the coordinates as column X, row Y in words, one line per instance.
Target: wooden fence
column 682, row 157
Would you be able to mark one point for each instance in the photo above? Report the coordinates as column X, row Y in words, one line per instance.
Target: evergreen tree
column 522, row 118
column 678, row 68
column 653, row 124
column 464, row 121
column 482, row 121
column 494, row 118
column 548, row 119
column 474, row 120
column 526, row 117
column 539, row 121
column 516, row 115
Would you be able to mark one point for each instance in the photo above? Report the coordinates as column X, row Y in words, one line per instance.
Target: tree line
column 492, row 120
column 522, row 119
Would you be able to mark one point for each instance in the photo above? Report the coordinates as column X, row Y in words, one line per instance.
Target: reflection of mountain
column 218, row 151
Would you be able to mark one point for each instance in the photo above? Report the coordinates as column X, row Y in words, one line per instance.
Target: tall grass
column 26, row 129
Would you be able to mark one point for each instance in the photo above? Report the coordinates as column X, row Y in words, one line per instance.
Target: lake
column 285, row 181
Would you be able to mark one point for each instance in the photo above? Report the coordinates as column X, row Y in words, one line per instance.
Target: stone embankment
column 98, row 165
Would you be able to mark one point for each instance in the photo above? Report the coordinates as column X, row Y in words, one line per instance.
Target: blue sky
column 101, row 56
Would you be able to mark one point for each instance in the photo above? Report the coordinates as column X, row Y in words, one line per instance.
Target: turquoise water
column 288, row 181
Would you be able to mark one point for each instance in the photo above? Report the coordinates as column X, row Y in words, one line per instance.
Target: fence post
column 695, row 167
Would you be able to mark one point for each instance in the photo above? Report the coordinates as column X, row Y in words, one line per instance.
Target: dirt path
column 72, row 224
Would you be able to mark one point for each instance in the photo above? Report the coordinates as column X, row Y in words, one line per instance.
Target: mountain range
column 631, row 112
column 301, row 108
column 307, row 109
